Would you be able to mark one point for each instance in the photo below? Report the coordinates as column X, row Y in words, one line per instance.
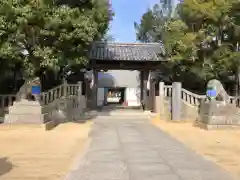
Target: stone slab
column 130, row 149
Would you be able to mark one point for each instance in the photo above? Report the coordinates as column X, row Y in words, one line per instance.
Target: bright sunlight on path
column 128, row 147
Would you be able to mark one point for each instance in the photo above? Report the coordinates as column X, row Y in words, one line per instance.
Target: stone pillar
column 161, row 99
column 79, row 93
column 176, row 101
column 81, row 104
column 64, row 88
column 95, row 89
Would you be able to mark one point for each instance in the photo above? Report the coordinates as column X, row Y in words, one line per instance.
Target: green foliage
column 152, row 22
column 179, row 42
column 146, row 31
column 108, row 38
column 54, row 33
column 202, row 39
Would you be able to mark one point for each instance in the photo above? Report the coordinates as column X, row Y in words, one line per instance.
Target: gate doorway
column 116, row 95
column 141, row 57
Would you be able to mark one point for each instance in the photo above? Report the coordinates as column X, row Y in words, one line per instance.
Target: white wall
column 122, row 78
column 132, row 96
column 125, row 78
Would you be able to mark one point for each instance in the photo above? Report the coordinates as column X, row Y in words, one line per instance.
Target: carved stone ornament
column 216, row 91
column 25, row 90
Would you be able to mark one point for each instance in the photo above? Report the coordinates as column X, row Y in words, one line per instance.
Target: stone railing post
column 65, row 99
column 176, row 101
column 75, row 101
column 79, row 94
column 64, row 88
column 161, row 99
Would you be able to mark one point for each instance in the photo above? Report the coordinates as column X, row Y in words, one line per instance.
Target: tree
column 202, row 39
column 53, row 33
column 152, row 22
column 108, row 38
column 215, row 23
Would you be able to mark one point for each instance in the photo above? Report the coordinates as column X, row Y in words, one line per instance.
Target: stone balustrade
column 191, row 102
column 192, row 98
column 235, row 100
column 64, row 102
column 58, row 92
column 187, row 96
column 195, row 99
column 5, row 101
column 168, row 91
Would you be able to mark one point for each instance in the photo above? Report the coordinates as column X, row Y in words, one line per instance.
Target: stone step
column 122, row 113
column 117, row 112
column 25, row 102
column 25, row 118
column 121, row 117
column 25, row 109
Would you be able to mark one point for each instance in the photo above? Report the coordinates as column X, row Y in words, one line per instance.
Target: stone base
column 147, row 112
column 216, row 115
column 46, row 127
column 25, row 118
column 215, row 127
column 25, row 112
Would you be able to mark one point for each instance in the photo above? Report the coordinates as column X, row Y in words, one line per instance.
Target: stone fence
column 190, row 102
column 64, row 102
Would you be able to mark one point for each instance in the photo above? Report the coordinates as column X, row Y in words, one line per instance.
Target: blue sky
column 126, row 12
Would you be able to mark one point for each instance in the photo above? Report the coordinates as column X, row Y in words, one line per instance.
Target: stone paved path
column 128, row 148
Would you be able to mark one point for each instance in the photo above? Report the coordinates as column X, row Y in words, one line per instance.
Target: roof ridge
column 126, row 43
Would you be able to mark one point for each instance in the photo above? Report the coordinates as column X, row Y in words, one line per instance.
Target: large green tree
column 43, row 34
column 215, row 24
column 108, row 38
column 150, row 28
column 202, row 40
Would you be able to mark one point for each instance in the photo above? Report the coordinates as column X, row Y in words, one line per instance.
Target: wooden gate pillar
column 94, row 89
column 141, row 86
column 145, row 90
column 151, row 98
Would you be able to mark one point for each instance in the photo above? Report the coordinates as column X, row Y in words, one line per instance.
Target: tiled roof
column 127, row 51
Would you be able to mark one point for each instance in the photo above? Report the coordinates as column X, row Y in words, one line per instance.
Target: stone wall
column 217, row 115
column 189, row 112
column 204, row 112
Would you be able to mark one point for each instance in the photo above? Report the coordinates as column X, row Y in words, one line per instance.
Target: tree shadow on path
column 5, row 166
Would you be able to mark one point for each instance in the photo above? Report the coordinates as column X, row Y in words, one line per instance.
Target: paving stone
column 149, row 168
column 188, row 164
column 102, row 171
column 190, row 174
column 141, row 155
column 155, row 177
column 131, row 149
column 104, row 156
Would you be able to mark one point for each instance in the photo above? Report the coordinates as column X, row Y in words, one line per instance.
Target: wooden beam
column 127, row 66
